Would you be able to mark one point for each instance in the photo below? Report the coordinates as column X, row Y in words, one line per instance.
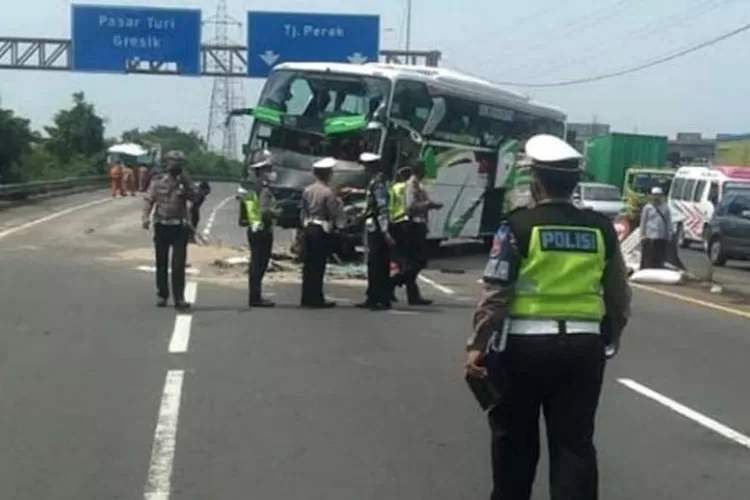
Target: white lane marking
column 183, row 322
column 191, row 291
column 437, row 286
column 158, row 484
column 212, row 217
column 50, row 217
column 686, row 412
column 181, row 334
column 151, row 269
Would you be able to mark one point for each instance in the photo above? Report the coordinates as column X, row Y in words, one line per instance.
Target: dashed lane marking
column 158, row 483
column 151, row 269
column 183, row 322
column 212, row 216
column 686, row 412
column 437, row 286
column 50, row 217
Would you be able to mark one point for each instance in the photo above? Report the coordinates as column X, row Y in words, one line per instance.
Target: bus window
column 699, row 191
column 674, row 193
column 687, row 194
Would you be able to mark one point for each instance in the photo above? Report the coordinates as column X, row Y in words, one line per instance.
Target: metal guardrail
column 25, row 190
column 36, row 188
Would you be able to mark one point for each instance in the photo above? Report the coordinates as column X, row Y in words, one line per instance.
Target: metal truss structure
column 48, row 54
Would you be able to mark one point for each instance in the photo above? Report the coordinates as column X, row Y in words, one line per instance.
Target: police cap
column 550, row 152
column 175, row 155
column 369, row 158
column 264, row 160
column 325, row 163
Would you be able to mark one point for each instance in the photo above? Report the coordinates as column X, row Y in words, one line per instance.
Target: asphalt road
column 106, row 397
column 735, row 273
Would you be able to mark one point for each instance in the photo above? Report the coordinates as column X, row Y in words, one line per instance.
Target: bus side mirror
column 245, row 149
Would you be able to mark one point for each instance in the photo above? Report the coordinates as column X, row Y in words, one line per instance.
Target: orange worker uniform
column 115, row 177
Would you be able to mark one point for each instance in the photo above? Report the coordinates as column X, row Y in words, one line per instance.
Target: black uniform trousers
column 412, row 243
column 168, row 237
column 261, row 244
column 561, row 375
column 379, row 290
column 316, row 248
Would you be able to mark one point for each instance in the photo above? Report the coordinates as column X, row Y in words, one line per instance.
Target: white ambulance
column 695, row 192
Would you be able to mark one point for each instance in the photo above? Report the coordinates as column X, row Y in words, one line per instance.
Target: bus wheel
column 716, row 253
column 681, row 241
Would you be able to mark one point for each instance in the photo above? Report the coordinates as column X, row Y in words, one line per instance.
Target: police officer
column 258, row 213
column 556, row 302
column 399, row 224
column 202, row 189
column 167, row 198
column 417, row 205
column 319, row 212
column 379, row 239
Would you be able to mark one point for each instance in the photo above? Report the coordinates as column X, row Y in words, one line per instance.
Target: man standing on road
column 167, row 198
column 656, row 231
column 399, row 225
column 258, row 213
column 418, row 205
column 556, row 299
column 202, row 189
column 379, row 240
column 319, row 213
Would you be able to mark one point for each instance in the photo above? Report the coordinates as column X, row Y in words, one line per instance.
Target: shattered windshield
column 319, row 114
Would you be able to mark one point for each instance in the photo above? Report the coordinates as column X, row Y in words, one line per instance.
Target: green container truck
column 608, row 157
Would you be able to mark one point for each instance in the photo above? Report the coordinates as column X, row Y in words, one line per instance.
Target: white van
column 694, row 193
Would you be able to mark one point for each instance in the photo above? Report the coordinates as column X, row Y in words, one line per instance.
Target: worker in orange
column 128, row 181
column 115, row 176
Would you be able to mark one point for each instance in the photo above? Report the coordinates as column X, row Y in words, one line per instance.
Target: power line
column 633, row 69
column 655, row 26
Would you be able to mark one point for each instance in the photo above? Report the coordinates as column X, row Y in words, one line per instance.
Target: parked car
column 603, row 198
column 727, row 236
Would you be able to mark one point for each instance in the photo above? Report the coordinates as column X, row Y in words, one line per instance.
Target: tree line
column 76, row 144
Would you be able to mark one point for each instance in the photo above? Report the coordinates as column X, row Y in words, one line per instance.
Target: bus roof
column 728, row 172
column 453, row 82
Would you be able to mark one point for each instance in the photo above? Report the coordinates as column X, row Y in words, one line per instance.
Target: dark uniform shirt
column 417, row 200
column 376, row 205
column 266, row 204
column 511, row 246
column 167, row 197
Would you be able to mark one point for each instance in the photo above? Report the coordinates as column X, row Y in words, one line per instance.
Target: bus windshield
column 643, row 182
column 319, row 114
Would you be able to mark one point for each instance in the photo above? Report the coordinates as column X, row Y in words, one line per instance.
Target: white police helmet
column 325, row 163
column 369, row 158
column 264, row 160
column 548, row 151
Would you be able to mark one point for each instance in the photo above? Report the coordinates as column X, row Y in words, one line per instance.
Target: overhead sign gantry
column 164, row 41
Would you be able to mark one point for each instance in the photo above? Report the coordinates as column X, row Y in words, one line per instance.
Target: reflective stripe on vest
column 397, row 202
column 561, row 276
column 252, row 209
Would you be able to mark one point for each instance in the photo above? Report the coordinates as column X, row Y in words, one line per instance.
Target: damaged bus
column 465, row 129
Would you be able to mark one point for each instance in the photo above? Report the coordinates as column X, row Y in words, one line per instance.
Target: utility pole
column 227, row 91
column 408, row 26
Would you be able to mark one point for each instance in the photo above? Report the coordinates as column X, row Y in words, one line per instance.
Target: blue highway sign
column 277, row 37
column 105, row 38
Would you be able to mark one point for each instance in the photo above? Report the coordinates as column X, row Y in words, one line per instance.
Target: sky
column 530, row 41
